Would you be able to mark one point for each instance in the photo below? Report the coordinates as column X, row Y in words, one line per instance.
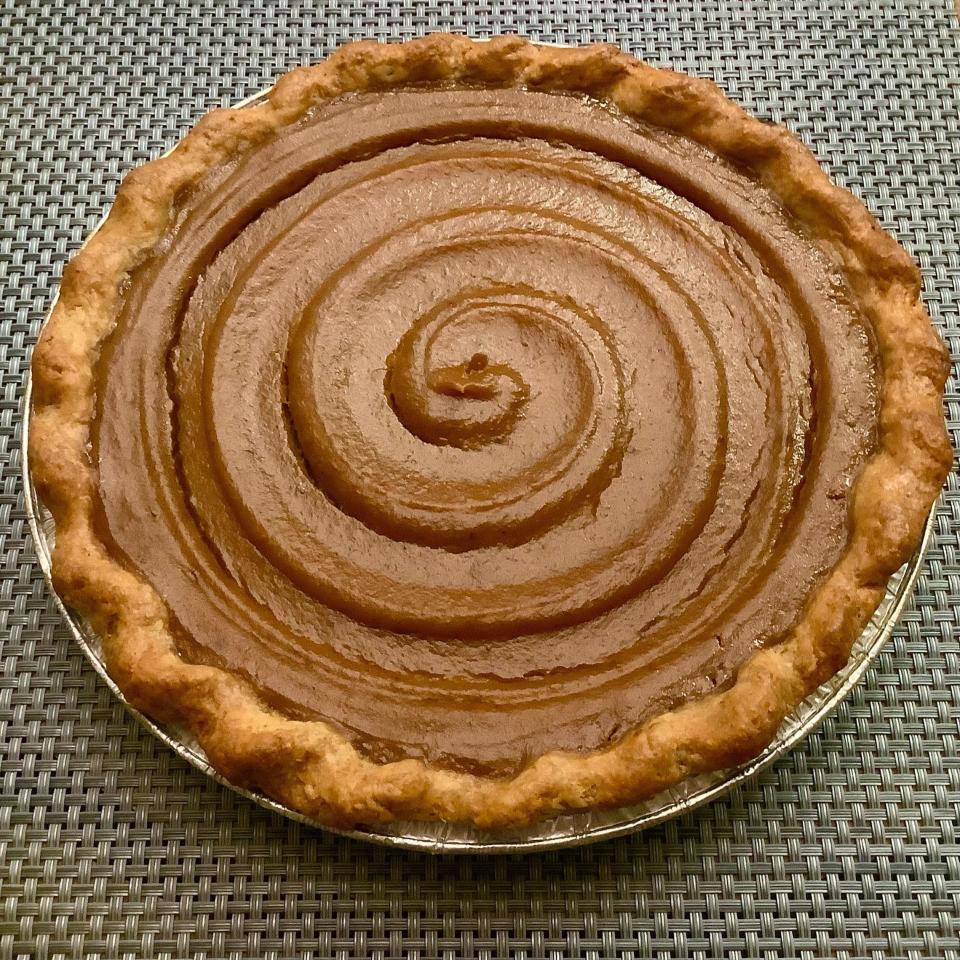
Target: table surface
column 111, row 846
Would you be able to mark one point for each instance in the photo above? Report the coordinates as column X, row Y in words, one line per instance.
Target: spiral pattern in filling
column 480, row 423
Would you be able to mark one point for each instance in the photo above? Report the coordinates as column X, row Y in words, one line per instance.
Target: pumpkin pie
column 483, row 431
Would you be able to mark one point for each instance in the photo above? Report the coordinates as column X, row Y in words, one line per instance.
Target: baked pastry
column 481, row 431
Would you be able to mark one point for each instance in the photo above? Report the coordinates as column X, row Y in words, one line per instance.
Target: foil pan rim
column 564, row 831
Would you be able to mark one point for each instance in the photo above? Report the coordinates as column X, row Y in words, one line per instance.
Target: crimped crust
column 307, row 765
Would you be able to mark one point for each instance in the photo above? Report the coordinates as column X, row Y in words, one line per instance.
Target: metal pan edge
column 565, row 831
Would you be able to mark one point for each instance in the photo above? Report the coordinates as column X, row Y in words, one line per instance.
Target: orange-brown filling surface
column 481, row 423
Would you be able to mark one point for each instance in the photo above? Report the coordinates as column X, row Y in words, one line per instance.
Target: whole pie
column 481, row 431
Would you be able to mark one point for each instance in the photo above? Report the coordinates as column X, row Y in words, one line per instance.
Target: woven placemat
column 111, row 846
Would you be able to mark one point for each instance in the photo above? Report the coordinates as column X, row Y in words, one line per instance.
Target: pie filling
column 481, row 423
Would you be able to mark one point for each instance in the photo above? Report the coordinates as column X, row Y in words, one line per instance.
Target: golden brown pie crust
column 309, row 766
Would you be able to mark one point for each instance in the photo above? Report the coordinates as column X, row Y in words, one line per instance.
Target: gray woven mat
column 111, row 846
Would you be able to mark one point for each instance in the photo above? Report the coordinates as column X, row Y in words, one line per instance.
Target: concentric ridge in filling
column 482, row 423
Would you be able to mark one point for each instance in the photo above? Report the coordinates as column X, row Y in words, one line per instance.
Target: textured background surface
column 111, row 846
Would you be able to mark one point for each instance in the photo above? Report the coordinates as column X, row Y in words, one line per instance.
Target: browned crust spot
column 310, row 767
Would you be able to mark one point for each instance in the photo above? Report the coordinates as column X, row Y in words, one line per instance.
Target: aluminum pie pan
column 568, row 830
